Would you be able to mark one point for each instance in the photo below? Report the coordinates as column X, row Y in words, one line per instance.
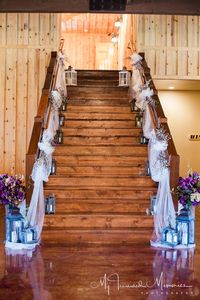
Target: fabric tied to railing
column 157, row 149
column 159, row 169
column 34, row 218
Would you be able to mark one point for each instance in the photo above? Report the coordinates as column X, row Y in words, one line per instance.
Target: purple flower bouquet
column 188, row 186
column 12, row 190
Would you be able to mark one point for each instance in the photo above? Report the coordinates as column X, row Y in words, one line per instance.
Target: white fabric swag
column 165, row 212
column 42, row 166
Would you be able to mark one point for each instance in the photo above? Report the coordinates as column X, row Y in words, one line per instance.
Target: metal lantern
column 50, row 205
column 14, row 225
column 58, row 139
column 61, row 120
column 63, row 106
column 134, row 106
column 147, row 169
column 170, row 236
column 29, row 235
column 138, row 121
column 143, row 140
column 124, row 77
column 153, row 200
column 53, row 167
column 185, row 223
column 71, row 76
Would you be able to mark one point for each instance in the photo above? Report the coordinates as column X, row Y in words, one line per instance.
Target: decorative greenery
column 186, row 187
column 12, row 190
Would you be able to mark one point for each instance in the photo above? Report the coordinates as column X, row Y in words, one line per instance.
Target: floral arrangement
column 12, row 190
column 187, row 187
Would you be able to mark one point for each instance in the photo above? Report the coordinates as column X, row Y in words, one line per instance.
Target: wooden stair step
column 90, row 101
column 100, row 160
column 100, row 171
column 104, row 141
column 94, row 220
column 101, row 132
column 95, row 90
column 133, row 193
column 96, row 236
column 99, row 124
column 98, row 74
column 101, row 205
column 101, row 116
column 101, row 150
column 98, row 109
column 114, row 82
column 91, row 181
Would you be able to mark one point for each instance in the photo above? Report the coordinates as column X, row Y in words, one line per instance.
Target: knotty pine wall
column 171, row 45
column 80, row 49
column 26, row 41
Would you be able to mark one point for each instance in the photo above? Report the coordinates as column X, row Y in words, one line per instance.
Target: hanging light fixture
column 117, row 23
column 114, row 39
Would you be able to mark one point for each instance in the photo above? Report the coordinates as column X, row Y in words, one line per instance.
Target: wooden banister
column 162, row 120
column 40, row 120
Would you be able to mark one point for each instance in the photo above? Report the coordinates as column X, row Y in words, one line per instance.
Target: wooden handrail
column 41, row 118
column 162, row 120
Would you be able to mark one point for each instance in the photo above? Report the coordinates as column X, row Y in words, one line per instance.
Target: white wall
column 182, row 108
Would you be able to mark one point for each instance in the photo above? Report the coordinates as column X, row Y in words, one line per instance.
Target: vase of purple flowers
column 12, row 193
column 188, row 190
column 12, row 190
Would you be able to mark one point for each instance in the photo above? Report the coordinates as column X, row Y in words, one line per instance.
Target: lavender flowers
column 188, row 186
column 12, row 190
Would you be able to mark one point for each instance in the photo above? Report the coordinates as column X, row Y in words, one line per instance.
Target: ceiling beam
column 182, row 7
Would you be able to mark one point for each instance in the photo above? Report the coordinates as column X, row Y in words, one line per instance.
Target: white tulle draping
column 158, row 163
column 157, row 149
column 42, row 166
column 60, row 84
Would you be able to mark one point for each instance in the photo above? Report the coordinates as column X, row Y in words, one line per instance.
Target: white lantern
column 71, row 76
column 124, row 77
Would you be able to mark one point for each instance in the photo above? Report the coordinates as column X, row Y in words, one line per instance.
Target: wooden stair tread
column 98, row 109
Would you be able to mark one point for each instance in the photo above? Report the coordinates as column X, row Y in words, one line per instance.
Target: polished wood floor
column 97, row 273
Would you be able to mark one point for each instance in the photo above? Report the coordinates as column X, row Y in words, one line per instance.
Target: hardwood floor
column 90, row 272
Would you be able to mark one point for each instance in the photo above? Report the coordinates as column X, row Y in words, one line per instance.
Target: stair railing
column 41, row 119
column 158, row 118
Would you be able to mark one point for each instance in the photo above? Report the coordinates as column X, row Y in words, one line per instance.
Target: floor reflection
column 53, row 273
column 24, row 275
column 173, row 273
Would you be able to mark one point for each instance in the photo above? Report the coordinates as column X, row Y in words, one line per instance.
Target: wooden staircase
column 101, row 187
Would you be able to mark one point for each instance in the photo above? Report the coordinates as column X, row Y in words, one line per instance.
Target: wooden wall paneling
column 182, row 63
column 10, row 110
column 2, row 106
column 192, row 62
column 44, row 29
column 171, row 69
column 11, row 29
column 23, row 29
column 41, row 71
column 182, row 34
column 21, row 109
column 2, row 29
column 33, row 58
column 192, row 32
column 160, row 62
column 34, row 29
column 53, row 26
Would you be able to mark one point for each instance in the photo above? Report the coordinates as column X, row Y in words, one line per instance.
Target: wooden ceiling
column 89, row 23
